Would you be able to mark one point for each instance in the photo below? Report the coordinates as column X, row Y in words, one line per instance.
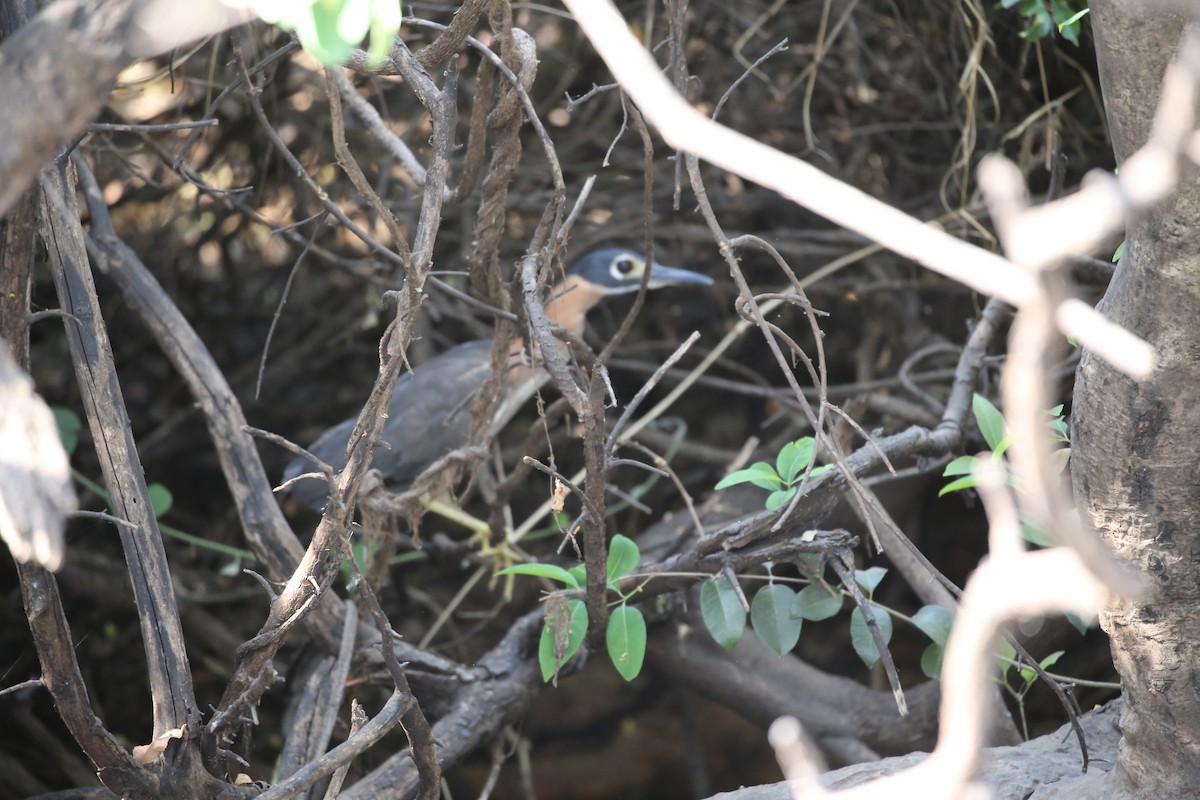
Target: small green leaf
column 959, row 466
column 1005, row 653
column 812, row 561
column 861, row 638
column 551, row 571
column 778, row 499
column 1040, row 28
column 329, row 29
column 1002, row 447
column 869, row 579
column 1070, row 32
column 579, row 573
column 161, row 499
column 816, row 602
column 1035, row 534
column 771, row 611
column 623, row 557
column 385, row 22
column 1120, row 251
column 69, row 426
column 1077, row 623
column 1078, row 15
column 821, row 470
column 794, row 457
column 562, row 635
column 626, row 640
column 760, row 473
column 1029, row 676
column 935, row 622
column 931, row 661
column 989, row 419
column 969, row 482
column 722, row 611
column 1060, row 458
column 1062, row 431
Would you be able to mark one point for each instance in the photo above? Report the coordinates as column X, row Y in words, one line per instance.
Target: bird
column 430, row 412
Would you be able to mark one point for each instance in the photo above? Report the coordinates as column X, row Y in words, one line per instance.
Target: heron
column 430, row 412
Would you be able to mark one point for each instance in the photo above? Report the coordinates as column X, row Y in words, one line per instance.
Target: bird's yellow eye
column 624, row 267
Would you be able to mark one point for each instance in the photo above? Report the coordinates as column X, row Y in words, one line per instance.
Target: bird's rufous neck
column 569, row 303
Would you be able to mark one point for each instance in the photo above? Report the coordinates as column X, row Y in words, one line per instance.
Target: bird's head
column 617, row 270
column 602, row 273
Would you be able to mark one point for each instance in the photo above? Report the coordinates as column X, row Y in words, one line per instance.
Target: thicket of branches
column 292, row 235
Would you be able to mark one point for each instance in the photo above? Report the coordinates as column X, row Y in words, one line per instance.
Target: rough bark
column 1134, row 457
column 1045, row 768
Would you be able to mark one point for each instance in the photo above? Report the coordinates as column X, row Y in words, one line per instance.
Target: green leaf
column 1062, row 431
column 329, row 29
column 385, row 22
column 579, row 573
column 623, row 557
column 989, row 419
column 1002, row 447
column 161, row 499
column 363, row 552
column 771, row 612
column 551, row 571
column 69, row 426
column 778, row 499
column 1005, row 653
column 626, row 640
column 969, row 482
column 1035, row 534
column 959, row 466
column 868, row 579
column 931, row 661
column 794, row 457
column 1067, row 20
column 1069, row 31
column 1060, row 458
column 1065, row 8
column 816, row 602
column 1027, row 673
column 760, row 473
column 812, row 561
column 722, row 611
column 562, row 635
column 861, row 638
column 1077, row 623
column 1040, row 25
column 1120, row 251
column 935, row 622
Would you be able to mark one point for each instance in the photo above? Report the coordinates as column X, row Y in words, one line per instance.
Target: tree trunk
column 1134, row 445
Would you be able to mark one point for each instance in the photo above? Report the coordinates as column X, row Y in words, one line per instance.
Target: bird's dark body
column 436, row 396
column 430, row 412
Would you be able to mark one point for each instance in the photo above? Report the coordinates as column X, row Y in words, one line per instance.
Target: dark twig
column 844, row 567
column 170, row 675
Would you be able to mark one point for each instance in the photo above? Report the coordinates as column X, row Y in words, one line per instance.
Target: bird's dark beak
column 661, row 275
